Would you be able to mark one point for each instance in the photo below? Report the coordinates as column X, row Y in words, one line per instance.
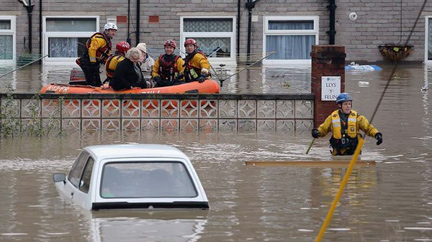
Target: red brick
column 327, row 60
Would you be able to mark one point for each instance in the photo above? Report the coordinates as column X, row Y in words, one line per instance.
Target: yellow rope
column 341, row 188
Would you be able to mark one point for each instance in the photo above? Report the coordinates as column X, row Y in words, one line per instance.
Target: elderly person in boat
column 147, row 63
column 345, row 125
column 128, row 74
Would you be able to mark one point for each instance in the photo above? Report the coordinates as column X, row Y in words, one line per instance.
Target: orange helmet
column 190, row 41
column 171, row 43
column 122, row 47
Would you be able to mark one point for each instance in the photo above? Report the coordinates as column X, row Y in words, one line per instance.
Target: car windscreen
column 146, row 180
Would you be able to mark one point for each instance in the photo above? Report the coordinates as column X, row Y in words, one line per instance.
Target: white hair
column 133, row 54
column 142, row 47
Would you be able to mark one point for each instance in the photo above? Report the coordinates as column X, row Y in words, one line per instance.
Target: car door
column 78, row 181
column 84, row 196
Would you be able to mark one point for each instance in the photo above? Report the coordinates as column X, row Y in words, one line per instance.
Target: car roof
column 134, row 151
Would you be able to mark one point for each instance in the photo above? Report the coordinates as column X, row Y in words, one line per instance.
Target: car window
column 77, row 168
column 86, row 177
column 146, row 180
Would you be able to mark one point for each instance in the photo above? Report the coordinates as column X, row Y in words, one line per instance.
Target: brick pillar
column 327, row 60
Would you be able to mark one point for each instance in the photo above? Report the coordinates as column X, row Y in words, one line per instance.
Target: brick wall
column 327, row 60
column 378, row 22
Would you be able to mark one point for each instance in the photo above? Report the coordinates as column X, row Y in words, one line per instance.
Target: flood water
column 391, row 201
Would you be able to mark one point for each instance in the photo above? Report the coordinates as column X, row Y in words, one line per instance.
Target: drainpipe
column 250, row 5
column 40, row 27
column 128, row 24
column 29, row 14
column 138, row 22
column 332, row 32
column 28, row 4
column 238, row 27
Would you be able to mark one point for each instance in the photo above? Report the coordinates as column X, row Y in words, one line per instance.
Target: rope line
column 361, row 141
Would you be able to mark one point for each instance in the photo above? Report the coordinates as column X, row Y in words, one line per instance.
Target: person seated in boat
column 168, row 66
column 98, row 51
column 345, row 125
column 147, row 63
column 128, row 74
column 196, row 64
column 110, row 66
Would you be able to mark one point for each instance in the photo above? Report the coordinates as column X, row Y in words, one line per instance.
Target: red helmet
column 171, row 43
column 190, row 41
column 122, row 47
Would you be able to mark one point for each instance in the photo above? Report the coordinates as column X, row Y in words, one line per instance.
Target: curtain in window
column 6, row 47
column 63, row 47
column 289, row 47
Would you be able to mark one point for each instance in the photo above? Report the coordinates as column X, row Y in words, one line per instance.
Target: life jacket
column 168, row 68
column 112, row 63
column 192, row 72
column 103, row 52
column 350, row 129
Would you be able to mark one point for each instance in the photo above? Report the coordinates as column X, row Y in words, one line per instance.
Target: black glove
column 94, row 65
column 157, row 79
column 379, row 138
column 201, row 78
column 178, row 77
column 315, row 133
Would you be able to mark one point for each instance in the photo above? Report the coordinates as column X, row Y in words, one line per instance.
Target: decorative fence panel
column 135, row 112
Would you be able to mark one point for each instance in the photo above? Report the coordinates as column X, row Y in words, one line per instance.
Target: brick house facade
column 285, row 26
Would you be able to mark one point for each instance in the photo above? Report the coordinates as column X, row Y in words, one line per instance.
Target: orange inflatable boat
column 208, row 86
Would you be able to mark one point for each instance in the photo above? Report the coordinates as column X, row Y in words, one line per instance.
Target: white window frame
column 428, row 18
column 12, row 32
column 232, row 35
column 266, row 32
column 47, row 35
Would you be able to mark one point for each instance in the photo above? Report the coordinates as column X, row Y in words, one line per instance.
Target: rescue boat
column 208, row 86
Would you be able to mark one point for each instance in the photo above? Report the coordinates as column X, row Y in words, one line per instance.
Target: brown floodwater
column 391, row 201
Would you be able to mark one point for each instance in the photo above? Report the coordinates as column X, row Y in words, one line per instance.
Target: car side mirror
column 59, row 177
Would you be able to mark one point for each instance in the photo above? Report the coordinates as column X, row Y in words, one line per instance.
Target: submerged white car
column 132, row 176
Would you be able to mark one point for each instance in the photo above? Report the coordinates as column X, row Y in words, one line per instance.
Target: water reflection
column 247, row 203
column 7, row 78
column 151, row 226
column 387, row 202
column 56, row 74
column 237, row 79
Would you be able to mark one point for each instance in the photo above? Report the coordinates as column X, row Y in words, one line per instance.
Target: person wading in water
column 345, row 125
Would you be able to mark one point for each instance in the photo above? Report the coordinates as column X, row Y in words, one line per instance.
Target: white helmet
column 110, row 26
